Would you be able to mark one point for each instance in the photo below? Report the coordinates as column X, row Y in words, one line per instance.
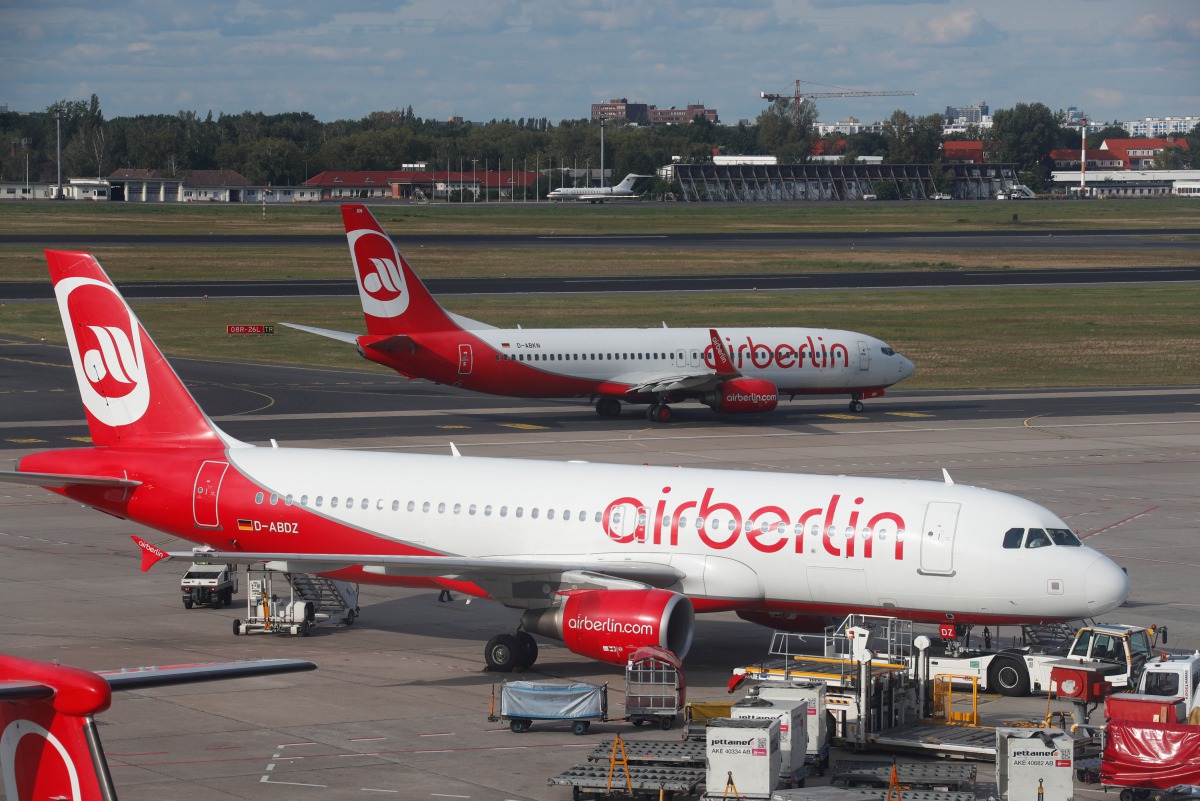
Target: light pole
column 58, row 128
column 474, row 182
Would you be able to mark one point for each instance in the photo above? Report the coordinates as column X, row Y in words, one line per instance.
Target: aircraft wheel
column 608, row 407
column 529, row 649
column 652, row 412
column 502, row 653
column 663, row 414
column 856, row 405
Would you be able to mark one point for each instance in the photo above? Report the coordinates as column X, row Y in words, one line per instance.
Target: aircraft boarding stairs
column 295, row 603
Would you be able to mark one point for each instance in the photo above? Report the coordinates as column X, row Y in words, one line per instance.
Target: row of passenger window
column 586, row 357
column 335, row 502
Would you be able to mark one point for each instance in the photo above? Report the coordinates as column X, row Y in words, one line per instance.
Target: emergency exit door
column 206, row 493
column 937, row 538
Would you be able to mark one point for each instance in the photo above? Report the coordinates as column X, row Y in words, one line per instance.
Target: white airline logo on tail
column 9, row 742
column 380, row 274
column 109, row 367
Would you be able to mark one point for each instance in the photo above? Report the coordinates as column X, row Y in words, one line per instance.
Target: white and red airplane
column 740, row 370
column 49, row 742
column 606, row 558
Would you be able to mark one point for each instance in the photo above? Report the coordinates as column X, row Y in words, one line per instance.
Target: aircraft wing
column 476, row 569
column 679, row 382
column 340, row 336
column 60, row 480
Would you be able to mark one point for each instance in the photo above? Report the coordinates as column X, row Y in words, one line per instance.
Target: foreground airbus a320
column 605, row 558
column 408, row 331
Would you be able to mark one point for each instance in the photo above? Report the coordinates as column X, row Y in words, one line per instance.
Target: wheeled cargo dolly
column 655, row 690
column 522, row 702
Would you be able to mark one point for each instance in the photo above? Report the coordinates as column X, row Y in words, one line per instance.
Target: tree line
column 287, row 149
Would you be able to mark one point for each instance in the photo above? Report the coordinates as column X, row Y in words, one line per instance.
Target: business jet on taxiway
column 599, row 194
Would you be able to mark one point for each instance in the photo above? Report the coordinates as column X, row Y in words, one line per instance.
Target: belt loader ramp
column 295, row 603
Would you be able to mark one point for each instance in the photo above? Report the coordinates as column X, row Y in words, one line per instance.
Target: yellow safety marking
column 524, row 426
column 845, row 416
column 909, row 414
column 25, row 441
column 453, row 426
column 80, row 439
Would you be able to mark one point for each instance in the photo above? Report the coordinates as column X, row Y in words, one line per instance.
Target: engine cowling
column 609, row 625
column 743, row 395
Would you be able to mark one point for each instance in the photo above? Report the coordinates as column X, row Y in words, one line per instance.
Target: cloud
column 965, row 27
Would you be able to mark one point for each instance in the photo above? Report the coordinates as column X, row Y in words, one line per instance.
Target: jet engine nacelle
column 608, row 625
column 743, row 395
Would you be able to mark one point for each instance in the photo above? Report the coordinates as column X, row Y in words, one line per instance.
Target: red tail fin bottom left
column 130, row 394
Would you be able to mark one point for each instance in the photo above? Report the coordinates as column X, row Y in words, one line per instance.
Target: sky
column 497, row 59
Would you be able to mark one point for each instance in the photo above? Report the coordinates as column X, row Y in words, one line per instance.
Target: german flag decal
column 245, row 525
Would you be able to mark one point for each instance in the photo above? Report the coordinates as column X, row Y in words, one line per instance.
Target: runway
column 398, row 704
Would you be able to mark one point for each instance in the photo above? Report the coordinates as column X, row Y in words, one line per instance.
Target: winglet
column 721, row 355
column 151, row 555
column 946, row 476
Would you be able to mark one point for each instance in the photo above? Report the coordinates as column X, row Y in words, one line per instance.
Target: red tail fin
column 394, row 300
column 129, row 391
column 49, row 743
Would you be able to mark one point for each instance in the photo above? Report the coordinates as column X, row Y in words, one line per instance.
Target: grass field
column 1060, row 336
column 585, row 218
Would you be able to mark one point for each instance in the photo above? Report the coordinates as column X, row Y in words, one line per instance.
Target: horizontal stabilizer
column 60, row 480
column 143, row 677
column 340, row 336
column 13, row 691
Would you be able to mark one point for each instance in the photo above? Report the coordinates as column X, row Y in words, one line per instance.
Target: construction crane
column 799, row 96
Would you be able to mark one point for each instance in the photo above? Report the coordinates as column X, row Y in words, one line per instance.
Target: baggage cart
column 655, row 690
column 522, row 702
column 697, row 714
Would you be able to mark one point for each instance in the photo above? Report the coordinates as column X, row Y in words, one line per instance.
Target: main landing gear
column 511, row 653
column 659, row 413
column 608, row 407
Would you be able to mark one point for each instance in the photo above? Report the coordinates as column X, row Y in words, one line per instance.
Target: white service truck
column 1173, row 677
column 1026, row 669
column 211, row 584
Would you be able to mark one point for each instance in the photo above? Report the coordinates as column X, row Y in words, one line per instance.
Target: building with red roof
column 1140, row 154
column 963, row 152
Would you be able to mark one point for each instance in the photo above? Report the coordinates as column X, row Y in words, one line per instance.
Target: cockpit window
column 888, row 352
column 1013, row 537
column 1064, row 536
column 1037, row 539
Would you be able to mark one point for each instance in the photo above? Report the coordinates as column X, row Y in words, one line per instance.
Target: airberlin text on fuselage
column 760, row 355
column 769, row 528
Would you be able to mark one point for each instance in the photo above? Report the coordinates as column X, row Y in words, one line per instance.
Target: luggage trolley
column 655, row 690
column 523, row 702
